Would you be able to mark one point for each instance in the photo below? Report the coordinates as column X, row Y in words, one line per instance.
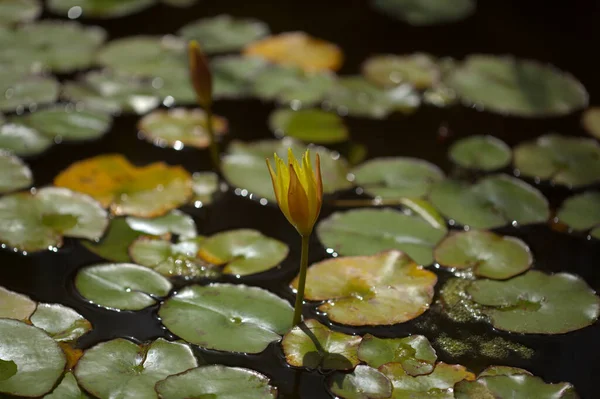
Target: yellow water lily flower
column 299, row 190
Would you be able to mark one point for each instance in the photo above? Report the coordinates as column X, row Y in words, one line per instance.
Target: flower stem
column 214, row 147
column 301, row 281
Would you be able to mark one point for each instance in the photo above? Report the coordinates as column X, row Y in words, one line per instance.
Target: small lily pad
column 22, row 140
column 481, row 152
column 426, row 12
column 568, row 161
column 204, row 185
column 99, row 8
column 26, row 91
column 18, row 11
column 582, row 212
column 175, row 222
column 15, row 306
column 487, row 254
column 313, row 345
column 224, row 33
column 363, row 383
column 309, row 125
column 415, row 353
column 14, row 173
column 233, row 76
column 217, row 382
column 233, row 318
column 121, row 286
column 382, row 289
column 370, row 231
column 517, row 386
column 120, row 367
column 493, row 201
column 537, row 303
column 67, row 389
column 419, row 70
column 60, row 322
column 591, row 121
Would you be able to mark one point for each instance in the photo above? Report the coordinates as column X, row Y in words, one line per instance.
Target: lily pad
column 233, row 76
column 15, row 306
column 67, row 389
column 415, row 353
column 363, row 383
column 537, row 303
column 40, row 361
column 25, row 91
column 480, row 152
column 383, row 289
column 420, row 70
column 175, row 222
column 147, row 191
column 309, row 125
column 426, row 12
column 120, row 368
column 313, row 345
column 591, row 121
column 8, row 368
column 14, row 173
column 244, row 165
column 121, row 286
column 518, row 386
column 582, row 212
column 115, row 244
column 394, row 178
column 217, row 382
column 568, row 161
column 224, row 33
column 502, row 370
column 204, row 185
column 512, row 86
column 38, row 221
column 487, row 254
column 18, row 11
column 60, row 322
column 234, row 318
column 22, row 140
column 493, row 201
column 370, row 231
column 99, row 8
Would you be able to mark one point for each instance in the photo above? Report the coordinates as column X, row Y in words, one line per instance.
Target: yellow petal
column 311, row 191
column 298, row 205
column 319, row 180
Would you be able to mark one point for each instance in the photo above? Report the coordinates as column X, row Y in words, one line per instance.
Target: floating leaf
column 38, row 221
column 569, row 161
column 234, row 318
column 14, row 173
column 233, row 76
column 370, row 231
column 115, row 244
column 512, row 86
column 362, row 383
column 480, row 152
column 488, row 254
column 516, row 386
column 15, row 306
column 99, row 8
column 8, row 368
column 426, row 12
column 67, row 389
column 419, row 70
column 22, row 140
column 582, row 212
column 120, row 368
column 537, row 303
column 224, row 33
column 18, row 11
column 493, row 201
column 204, row 185
column 60, row 322
column 121, row 286
column 591, row 121
column 25, row 91
column 415, row 353
column 383, row 289
column 175, row 222
column 309, row 125
column 313, row 345
column 40, row 361
column 217, row 382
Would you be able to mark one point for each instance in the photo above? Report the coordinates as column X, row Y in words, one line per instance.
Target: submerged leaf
column 480, row 152
column 415, row 353
column 14, row 173
column 8, row 368
column 362, row 383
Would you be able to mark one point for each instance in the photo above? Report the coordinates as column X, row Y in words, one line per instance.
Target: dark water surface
column 561, row 33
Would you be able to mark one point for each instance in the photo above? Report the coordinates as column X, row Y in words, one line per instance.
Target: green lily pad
column 40, row 361
column 60, row 322
column 18, row 11
column 512, row 86
column 175, row 222
column 537, row 303
column 24, row 91
column 415, row 353
column 114, row 246
column 382, row 289
column 398, row 177
column 67, row 389
column 121, row 286
column 313, row 345
column 493, row 201
column 426, row 12
column 420, row 70
column 582, row 212
column 370, row 231
column 233, row 76
column 224, row 33
column 99, row 8
column 568, row 161
column 518, row 386
column 591, row 121
column 309, row 125
column 8, row 368
column 217, row 382
column 204, row 185
column 15, row 306
column 22, row 140
column 244, row 166
column 363, row 383
column 487, row 254
column 14, row 173
column 121, row 368
column 243, row 251
column 234, row 318
column 480, row 152
column 38, row 221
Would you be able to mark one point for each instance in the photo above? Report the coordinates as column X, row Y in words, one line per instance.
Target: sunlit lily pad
column 383, row 289
column 512, row 86
column 175, row 222
column 40, row 361
column 537, row 303
column 22, row 140
column 120, row 368
column 204, row 185
column 17, row 11
column 38, row 221
column 68, row 389
column 233, row 76
column 493, row 201
column 363, row 383
column 415, row 353
column 591, row 121
column 99, row 8
column 121, row 286
column 147, row 191
column 217, row 382
column 309, row 125
column 14, row 173
column 569, row 161
column 15, row 306
column 224, row 33
column 26, row 91
column 426, row 12
column 419, row 70
column 481, row 152
column 313, row 345
column 487, row 254
column 582, row 212
column 60, row 322
column 370, row 231
column 234, row 318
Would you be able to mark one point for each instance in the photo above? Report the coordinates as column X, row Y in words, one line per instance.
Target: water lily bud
column 200, row 75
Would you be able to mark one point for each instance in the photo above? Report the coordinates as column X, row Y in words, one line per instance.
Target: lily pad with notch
column 19, row 11
column 363, row 382
column 414, row 352
column 309, row 125
column 22, row 140
column 15, row 306
column 68, row 389
column 103, row 9
column 426, row 12
column 485, row 153
column 14, row 173
column 418, row 69
column 581, row 212
column 60, row 322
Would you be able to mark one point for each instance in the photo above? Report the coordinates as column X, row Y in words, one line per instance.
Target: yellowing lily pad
column 22, row 140
column 426, row 12
column 582, row 212
column 15, row 306
column 99, row 8
column 148, row 191
column 591, row 121
column 68, row 389
column 309, row 125
column 480, row 152
column 363, row 383
column 18, row 11
column 415, row 353
column 383, row 289
column 14, row 173
column 419, row 70
column 537, row 303
column 60, row 322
